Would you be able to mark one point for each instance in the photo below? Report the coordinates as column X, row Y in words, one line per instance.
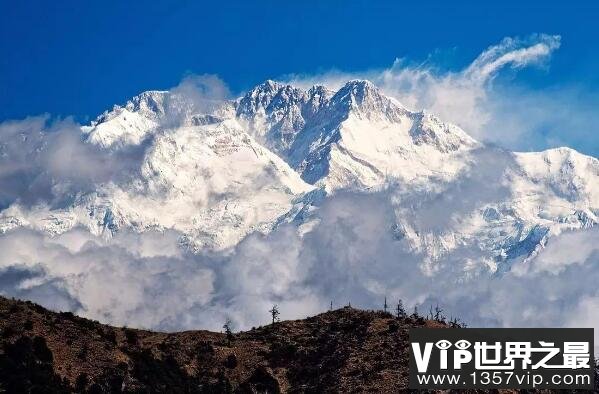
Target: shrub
column 110, row 335
column 82, row 354
column 81, row 382
column 40, row 349
column 8, row 332
column 131, row 336
column 28, row 325
column 67, row 315
column 231, row 361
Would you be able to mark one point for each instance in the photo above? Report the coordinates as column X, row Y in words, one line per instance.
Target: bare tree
column 228, row 331
column 454, row 322
column 274, row 312
column 439, row 314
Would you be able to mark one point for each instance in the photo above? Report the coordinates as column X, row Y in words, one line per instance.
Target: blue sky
column 79, row 58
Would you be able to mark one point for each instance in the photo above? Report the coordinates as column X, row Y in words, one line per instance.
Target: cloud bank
column 147, row 280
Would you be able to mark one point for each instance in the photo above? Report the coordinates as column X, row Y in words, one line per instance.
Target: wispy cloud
column 513, row 52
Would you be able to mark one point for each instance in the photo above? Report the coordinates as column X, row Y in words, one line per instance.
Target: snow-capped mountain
column 214, row 183
column 221, row 171
column 355, row 137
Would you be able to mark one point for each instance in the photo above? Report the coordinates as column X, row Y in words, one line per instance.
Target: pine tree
column 415, row 314
column 385, row 305
column 401, row 312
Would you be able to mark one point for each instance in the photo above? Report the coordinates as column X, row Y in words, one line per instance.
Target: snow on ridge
column 251, row 163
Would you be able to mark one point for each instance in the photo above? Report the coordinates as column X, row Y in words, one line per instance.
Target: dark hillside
column 343, row 350
column 346, row 350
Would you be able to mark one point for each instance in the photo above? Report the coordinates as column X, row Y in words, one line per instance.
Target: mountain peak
column 268, row 86
column 149, row 102
column 358, row 90
column 361, row 84
column 365, row 100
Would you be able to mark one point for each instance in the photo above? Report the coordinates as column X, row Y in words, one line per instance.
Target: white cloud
column 194, row 94
column 146, row 280
column 568, row 249
column 514, row 52
column 107, row 281
column 48, row 160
